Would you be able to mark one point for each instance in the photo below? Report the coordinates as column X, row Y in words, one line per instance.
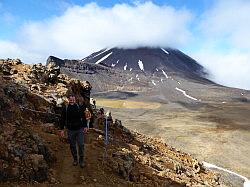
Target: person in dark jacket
column 73, row 119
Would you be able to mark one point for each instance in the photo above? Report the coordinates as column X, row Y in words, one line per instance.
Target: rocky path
column 95, row 172
column 74, row 175
column 68, row 174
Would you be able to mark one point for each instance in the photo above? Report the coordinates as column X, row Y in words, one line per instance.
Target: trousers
column 76, row 137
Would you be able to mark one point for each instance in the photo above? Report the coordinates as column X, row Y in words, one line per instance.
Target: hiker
column 109, row 118
column 88, row 116
column 110, row 122
column 73, row 119
column 100, row 118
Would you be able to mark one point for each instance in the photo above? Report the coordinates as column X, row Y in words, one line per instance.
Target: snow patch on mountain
column 103, row 58
column 164, row 73
column 113, row 65
column 185, row 94
column 153, row 82
column 130, row 69
column 125, row 67
column 141, row 65
column 137, row 77
column 165, row 51
column 101, row 52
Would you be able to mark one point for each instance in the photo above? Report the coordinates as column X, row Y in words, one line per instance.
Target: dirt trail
column 95, row 173
column 68, row 174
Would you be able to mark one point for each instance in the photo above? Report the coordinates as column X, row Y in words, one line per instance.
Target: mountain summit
column 151, row 60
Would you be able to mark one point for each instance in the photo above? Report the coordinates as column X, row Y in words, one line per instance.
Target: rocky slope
column 31, row 152
column 29, row 95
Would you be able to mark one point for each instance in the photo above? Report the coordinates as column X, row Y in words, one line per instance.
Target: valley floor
column 212, row 132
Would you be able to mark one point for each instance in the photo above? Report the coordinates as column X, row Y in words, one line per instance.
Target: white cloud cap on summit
column 84, row 29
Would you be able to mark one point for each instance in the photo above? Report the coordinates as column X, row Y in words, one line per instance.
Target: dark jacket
column 73, row 117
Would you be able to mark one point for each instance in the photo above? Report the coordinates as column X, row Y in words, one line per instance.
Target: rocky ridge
column 30, row 151
column 46, row 81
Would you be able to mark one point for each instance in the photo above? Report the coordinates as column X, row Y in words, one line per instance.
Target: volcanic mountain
column 133, row 69
column 148, row 59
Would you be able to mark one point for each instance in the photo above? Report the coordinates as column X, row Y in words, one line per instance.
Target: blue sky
column 210, row 31
column 17, row 12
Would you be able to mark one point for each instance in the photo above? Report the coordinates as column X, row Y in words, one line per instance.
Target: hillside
column 31, row 152
column 192, row 113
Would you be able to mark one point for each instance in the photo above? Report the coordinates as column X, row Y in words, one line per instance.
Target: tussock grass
column 112, row 103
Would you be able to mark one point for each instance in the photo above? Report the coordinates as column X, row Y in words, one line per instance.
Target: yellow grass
column 111, row 103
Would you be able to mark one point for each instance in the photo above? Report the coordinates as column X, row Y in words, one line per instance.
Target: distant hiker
column 109, row 117
column 72, row 118
column 102, row 110
column 110, row 121
column 88, row 116
column 100, row 118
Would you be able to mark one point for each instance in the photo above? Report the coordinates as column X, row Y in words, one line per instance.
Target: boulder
column 17, row 61
column 40, row 168
column 13, row 71
column 17, row 93
column 123, row 163
column 6, row 69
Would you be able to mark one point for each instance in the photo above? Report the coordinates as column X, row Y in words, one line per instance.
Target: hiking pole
column 106, row 135
column 106, row 131
column 106, row 138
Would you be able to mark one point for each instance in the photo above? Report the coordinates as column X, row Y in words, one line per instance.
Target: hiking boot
column 81, row 162
column 75, row 163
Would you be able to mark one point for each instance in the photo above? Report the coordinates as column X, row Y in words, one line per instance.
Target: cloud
column 81, row 30
column 228, row 20
column 231, row 69
column 225, row 42
column 12, row 50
